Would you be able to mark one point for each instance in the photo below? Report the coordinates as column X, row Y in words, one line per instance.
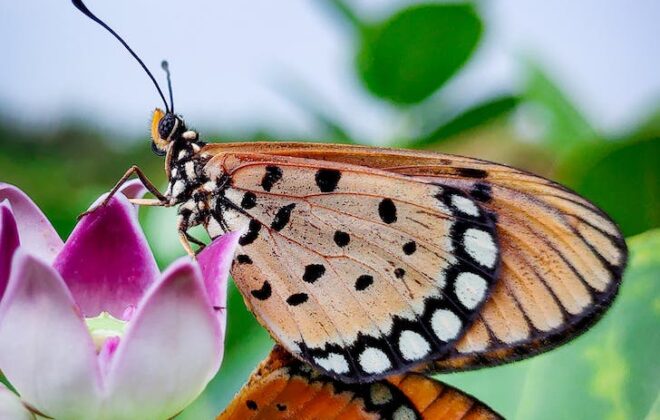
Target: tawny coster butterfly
column 366, row 262
column 284, row 387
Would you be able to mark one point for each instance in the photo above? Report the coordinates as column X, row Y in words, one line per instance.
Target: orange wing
column 562, row 258
column 362, row 273
column 283, row 387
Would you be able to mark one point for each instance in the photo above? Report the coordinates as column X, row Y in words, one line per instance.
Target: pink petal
column 106, row 262
column 8, row 243
column 171, row 349
column 11, row 406
column 107, row 352
column 46, row 351
column 215, row 262
column 133, row 189
column 35, row 231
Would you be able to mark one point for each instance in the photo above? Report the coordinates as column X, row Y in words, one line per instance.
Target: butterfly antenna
column 165, row 65
column 81, row 6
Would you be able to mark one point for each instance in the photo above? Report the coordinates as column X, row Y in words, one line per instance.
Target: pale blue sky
column 231, row 61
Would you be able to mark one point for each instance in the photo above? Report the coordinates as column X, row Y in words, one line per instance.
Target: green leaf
column 413, row 53
column 611, row 372
column 620, row 177
column 472, row 117
column 563, row 125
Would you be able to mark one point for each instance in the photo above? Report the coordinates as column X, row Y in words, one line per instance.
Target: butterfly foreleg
column 161, row 200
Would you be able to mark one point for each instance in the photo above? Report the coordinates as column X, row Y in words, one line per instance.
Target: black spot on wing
column 249, row 200
column 472, row 173
column 409, row 248
column 253, row 232
column 272, row 175
column 327, row 179
column 281, row 407
column 363, row 282
column 399, row 273
column 482, row 192
column 313, row 272
column 282, row 217
column 341, row 238
column 387, row 211
column 243, row 259
column 297, row 299
column 263, row 293
column 251, row 405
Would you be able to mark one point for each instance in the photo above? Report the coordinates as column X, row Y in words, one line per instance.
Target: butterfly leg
column 161, row 200
column 184, row 238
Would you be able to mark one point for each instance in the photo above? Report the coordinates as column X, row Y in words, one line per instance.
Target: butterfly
column 367, row 262
column 284, row 387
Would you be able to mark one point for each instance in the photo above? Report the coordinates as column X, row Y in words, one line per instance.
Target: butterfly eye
column 167, row 126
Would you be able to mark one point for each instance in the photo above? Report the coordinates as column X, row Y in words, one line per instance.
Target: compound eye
column 166, row 126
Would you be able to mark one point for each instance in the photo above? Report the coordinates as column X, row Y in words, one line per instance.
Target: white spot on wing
column 334, row 363
column 465, row 205
column 480, row 246
column 182, row 154
column 374, row 360
column 445, row 324
column 380, row 394
column 470, row 289
column 413, row 346
column 404, row 413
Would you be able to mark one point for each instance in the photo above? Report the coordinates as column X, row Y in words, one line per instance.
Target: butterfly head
column 166, row 127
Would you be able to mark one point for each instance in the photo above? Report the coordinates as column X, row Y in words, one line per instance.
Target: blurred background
column 569, row 90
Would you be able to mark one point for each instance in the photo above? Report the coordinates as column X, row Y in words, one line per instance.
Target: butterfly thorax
column 187, row 179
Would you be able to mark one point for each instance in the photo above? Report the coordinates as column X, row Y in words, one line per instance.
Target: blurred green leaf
column 649, row 126
column 347, row 13
column 413, row 53
column 623, row 178
column 609, row 373
column 470, row 118
column 562, row 125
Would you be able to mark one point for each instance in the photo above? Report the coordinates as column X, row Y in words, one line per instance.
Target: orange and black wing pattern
column 561, row 258
column 283, row 387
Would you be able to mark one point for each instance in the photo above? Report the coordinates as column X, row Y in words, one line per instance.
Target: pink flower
column 90, row 328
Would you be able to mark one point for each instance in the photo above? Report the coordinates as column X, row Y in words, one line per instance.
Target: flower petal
column 133, row 189
column 172, row 348
column 35, row 231
column 8, row 243
column 215, row 262
column 11, row 406
column 106, row 262
column 46, row 351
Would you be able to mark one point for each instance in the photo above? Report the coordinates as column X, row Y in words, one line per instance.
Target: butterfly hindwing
column 283, row 387
column 562, row 258
column 358, row 271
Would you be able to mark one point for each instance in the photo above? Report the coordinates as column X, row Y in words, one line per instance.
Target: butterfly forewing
column 283, row 387
column 562, row 258
column 358, row 271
